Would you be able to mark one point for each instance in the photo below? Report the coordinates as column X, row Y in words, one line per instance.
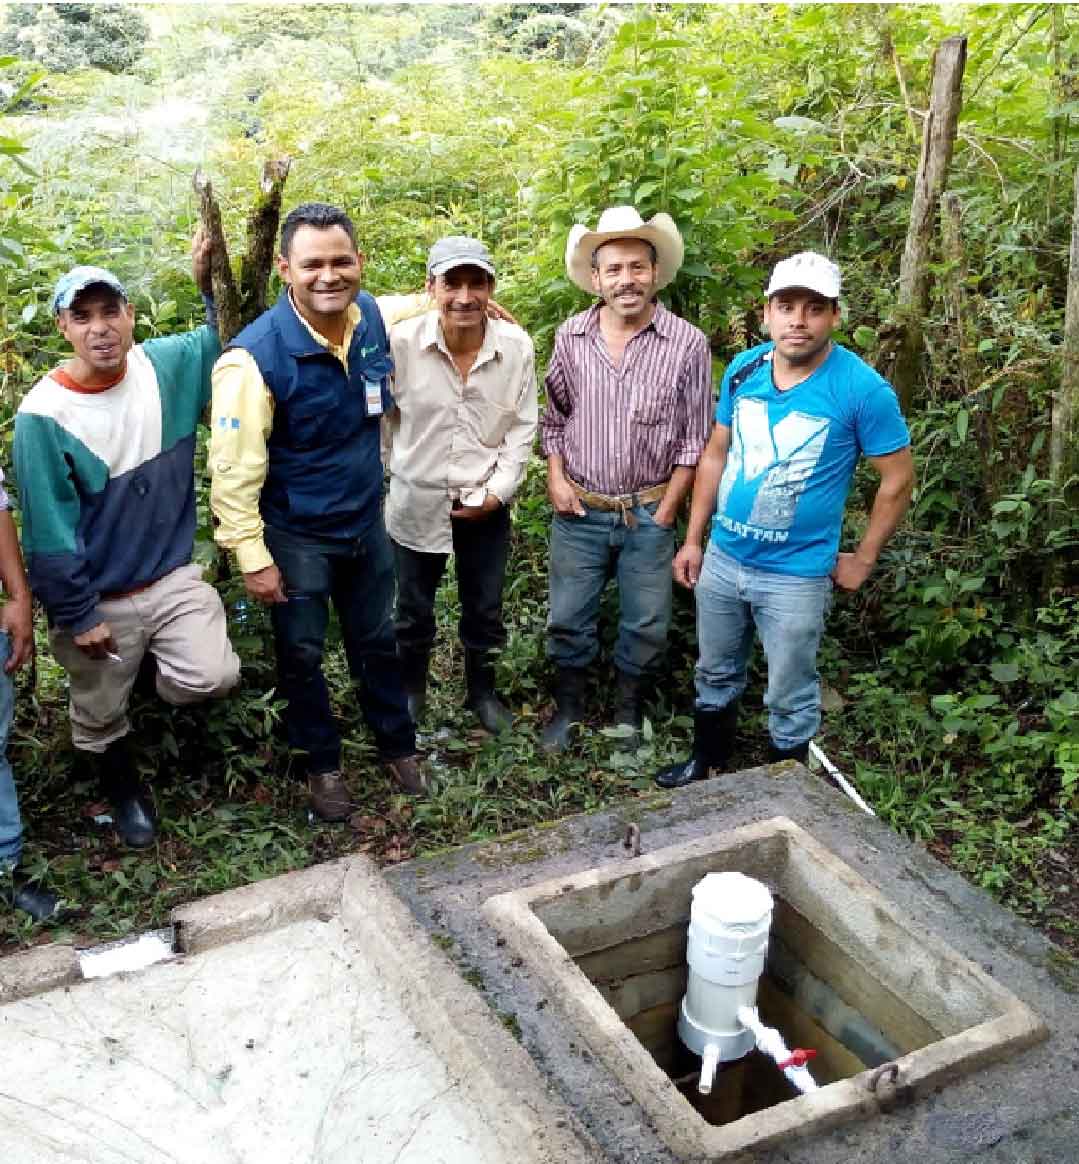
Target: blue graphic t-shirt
column 792, row 456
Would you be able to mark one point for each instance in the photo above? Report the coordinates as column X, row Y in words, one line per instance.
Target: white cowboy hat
column 624, row 222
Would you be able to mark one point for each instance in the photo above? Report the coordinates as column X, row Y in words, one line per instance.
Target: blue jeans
column 10, row 821
column 789, row 614
column 357, row 576
column 585, row 553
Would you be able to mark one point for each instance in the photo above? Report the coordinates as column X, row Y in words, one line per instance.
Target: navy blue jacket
column 324, row 477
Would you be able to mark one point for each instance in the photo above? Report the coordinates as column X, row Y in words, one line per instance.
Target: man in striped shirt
column 629, row 401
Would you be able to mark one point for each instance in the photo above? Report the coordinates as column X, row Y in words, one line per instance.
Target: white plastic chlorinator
column 730, row 918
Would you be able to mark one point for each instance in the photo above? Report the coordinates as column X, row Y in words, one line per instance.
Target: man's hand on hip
column 266, row 586
column 686, row 566
column 97, row 642
column 461, row 512
column 17, row 620
column 564, row 498
column 851, row 571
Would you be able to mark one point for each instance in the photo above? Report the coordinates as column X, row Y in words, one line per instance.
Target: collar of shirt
column 431, row 337
column 660, row 323
column 352, row 321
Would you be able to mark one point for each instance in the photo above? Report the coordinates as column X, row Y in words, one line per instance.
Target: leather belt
column 621, row 503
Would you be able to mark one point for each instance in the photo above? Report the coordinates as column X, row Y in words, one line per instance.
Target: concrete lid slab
column 314, row 1022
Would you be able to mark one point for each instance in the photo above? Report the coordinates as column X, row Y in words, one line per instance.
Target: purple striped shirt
column 620, row 430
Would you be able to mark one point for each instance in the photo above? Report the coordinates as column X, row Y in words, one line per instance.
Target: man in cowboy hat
column 629, row 395
column 794, row 415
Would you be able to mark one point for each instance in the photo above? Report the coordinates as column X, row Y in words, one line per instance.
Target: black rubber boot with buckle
column 133, row 814
column 26, row 893
column 627, row 700
column 482, row 699
column 713, row 743
column 569, row 701
column 799, row 752
column 415, row 667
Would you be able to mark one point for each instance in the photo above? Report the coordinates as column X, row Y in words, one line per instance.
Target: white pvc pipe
column 840, row 779
column 770, row 1041
column 709, row 1064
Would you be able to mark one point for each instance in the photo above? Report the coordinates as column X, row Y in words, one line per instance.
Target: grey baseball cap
column 458, row 251
column 78, row 279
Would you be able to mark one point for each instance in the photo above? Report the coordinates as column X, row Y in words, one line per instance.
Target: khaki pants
column 181, row 621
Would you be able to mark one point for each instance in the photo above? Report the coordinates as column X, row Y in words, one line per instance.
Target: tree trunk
column 256, row 265
column 239, row 302
column 225, row 294
column 1064, row 434
column 955, row 290
column 938, row 140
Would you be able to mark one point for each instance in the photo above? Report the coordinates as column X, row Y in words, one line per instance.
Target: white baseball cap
column 809, row 271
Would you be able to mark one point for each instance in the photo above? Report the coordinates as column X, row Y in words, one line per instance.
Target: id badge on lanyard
column 372, row 390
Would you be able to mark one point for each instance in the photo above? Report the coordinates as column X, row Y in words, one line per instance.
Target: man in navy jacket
column 297, row 486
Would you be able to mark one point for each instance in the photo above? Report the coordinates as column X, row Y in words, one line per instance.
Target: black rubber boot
column 414, row 669
column 799, row 752
column 492, row 713
column 627, row 700
column 23, row 892
column 713, row 743
column 132, row 805
column 569, row 701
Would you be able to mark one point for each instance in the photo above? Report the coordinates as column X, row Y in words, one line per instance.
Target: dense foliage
column 762, row 130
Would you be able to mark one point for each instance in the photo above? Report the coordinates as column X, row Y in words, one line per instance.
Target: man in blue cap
column 104, row 452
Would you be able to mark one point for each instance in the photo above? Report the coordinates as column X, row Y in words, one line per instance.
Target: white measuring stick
column 840, row 779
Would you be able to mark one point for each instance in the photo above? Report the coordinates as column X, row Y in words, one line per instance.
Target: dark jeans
column 358, row 577
column 481, row 548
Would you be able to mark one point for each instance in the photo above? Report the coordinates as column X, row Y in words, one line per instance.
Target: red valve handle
column 800, row 1056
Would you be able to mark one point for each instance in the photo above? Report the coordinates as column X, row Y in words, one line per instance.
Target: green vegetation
column 762, row 130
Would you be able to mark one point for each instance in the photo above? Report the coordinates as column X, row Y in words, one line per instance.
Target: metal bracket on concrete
column 631, row 842
column 889, row 1069
column 892, row 1092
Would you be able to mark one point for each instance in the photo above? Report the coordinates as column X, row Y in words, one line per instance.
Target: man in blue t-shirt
column 794, row 415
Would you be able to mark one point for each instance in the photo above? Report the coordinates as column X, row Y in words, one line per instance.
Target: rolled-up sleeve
column 241, row 417
column 517, row 444
column 695, row 394
column 557, row 413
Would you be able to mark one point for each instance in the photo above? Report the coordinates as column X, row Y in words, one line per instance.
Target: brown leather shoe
column 409, row 772
column 329, row 796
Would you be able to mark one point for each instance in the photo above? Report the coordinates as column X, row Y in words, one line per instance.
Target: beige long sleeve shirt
column 452, row 439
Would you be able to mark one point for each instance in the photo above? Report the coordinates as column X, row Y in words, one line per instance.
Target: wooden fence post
column 1064, row 432
column 938, row 139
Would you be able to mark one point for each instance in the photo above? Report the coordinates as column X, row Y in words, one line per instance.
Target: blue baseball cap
column 78, row 279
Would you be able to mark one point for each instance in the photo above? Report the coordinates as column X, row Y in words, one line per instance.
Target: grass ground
column 232, row 813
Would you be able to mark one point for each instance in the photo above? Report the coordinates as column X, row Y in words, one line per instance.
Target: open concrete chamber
column 890, row 1008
